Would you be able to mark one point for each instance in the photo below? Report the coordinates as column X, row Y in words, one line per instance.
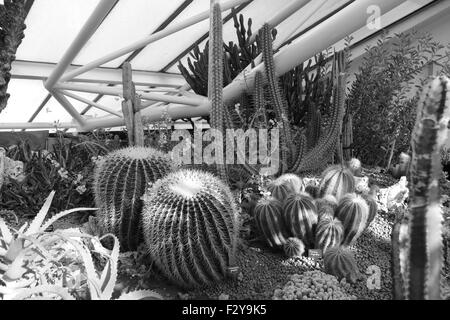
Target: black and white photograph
column 225, row 158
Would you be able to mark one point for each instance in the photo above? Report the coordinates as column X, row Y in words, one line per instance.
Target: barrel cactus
column 373, row 208
column 337, row 181
column 330, row 233
column 353, row 212
column 190, row 227
column 294, row 181
column 340, row 262
column 300, row 217
column 280, row 190
column 269, row 221
column 120, row 180
column 354, row 165
column 326, row 206
column 294, row 247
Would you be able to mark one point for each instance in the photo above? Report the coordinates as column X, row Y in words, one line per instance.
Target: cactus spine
column 330, row 233
column 300, row 217
column 340, row 262
column 353, row 212
column 337, row 181
column 190, row 226
column 120, row 179
column 425, row 228
column 269, row 222
column 215, row 78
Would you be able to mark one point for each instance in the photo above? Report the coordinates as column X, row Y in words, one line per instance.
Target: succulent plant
column 300, row 217
column 294, row 247
column 340, row 262
column 355, row 167
column 326, row 206
column 269, row 221
column 280, row 190
column 373, row 208
column 329, row 233
column 120, row 179
column 293, row 180
column 190, row 227
column 353, row 212
column 337, row 181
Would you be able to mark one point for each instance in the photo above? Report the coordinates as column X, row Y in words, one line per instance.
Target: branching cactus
column 353, row 212
column 120, row 179
column 190, row 223
column 337, row 181
column 330, row 233
column 340, row 262
column 300, row 217
column 269, row 222
column 425, row 228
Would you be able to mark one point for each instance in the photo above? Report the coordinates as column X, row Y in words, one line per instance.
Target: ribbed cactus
column 300, row 217
column 337, row 181
column 326, row 206
column 353, row 212
column 280, row 190
column 190, row 226
column 340, row 262
column 120, row 180
column 330, row 233
column 347, row 137
column 215, row 77
column 425, row 258
column 293, row 180
column 269, row 222
column 314, row 126
column 294, row 247
column 373, row 208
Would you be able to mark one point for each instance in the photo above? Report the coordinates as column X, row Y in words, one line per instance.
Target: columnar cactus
column 190, row 226
column 269, row 222
column 353, row 212
column 300, row 217
column 329, row 233
column 294, row 247
column 425, row 259
column 340, row 262
column 120, row 179
column 337, row 181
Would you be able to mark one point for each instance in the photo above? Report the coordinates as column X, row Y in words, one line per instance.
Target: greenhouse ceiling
column 68, row 68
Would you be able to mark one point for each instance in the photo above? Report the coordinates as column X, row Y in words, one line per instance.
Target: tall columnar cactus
column 353, row 212
column 300, row 217
column 12, row 26
column 330, row 233
column 425, row 228
column 279, row 104
column 215, row 77
column 120, row 179
column 190, row 225
column 314, row 126
column 340, row 262
column 337, row 181
column 347, row 137
column 269, row 222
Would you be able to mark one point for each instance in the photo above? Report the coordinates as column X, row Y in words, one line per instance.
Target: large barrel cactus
column 330, row 233
column 353, row 212
column 300, row 217
column 280, row 190
column 120, row 180
column 191, row 226
column 337, row 181
column 269, row 222
column 294, row 181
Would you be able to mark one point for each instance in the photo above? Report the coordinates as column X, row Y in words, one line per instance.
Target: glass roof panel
column 107, row 101
column 26, row 96
column 129, row 21
column 51, row 27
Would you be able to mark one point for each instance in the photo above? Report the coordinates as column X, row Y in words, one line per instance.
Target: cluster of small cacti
column 120, row 180
column 190, row 227
column 314, row 285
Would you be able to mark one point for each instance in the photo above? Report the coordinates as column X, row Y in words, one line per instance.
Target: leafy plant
column 382, row 100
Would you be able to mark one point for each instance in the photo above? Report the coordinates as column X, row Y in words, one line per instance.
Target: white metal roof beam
column 41, row 71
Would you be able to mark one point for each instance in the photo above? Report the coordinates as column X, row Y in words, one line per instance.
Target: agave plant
column 35, row 264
